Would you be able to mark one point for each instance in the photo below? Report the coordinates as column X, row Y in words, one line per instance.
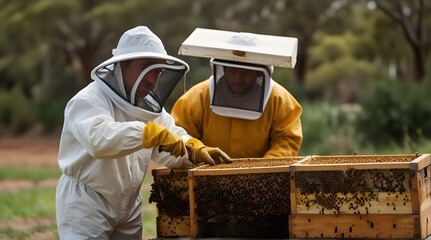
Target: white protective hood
column 136, row 43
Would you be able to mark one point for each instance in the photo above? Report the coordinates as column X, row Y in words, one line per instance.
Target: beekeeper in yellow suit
column 112, row 128
column 240, row 108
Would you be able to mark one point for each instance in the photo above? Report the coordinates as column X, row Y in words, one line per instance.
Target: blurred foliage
column 48, row 114
column 395, row 111
column 340, row 82
column 49, row 47
column 17, row 112
column 328, row 129
column 413, row 17
column 335, row 74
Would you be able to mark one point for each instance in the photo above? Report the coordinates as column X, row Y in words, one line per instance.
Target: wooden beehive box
column 361, row 196
column 248, row 198
column 170, row 192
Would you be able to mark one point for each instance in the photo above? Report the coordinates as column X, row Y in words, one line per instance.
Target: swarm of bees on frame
column 246, row 201
column 170, row 193
column 245, row 198
column 354, row 188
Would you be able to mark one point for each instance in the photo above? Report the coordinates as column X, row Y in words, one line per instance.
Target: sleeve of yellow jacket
column 277, row 133
column 188, row 111
column 286, row 129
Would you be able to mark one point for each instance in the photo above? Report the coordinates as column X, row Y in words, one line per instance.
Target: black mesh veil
column 171, row 74
column 245, row 105
column 156, row 99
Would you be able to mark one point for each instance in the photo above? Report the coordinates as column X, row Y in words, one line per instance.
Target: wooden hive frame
column 238, row 228
column 319, row 211
column 173, row 191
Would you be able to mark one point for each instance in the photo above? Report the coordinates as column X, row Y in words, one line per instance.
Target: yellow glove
column 158, row 135
column 206, row 154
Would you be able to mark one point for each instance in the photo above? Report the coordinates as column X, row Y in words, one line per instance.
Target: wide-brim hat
column 139, row 42
column 268, row 50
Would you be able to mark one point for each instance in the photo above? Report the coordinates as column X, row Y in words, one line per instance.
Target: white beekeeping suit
column 101, row 153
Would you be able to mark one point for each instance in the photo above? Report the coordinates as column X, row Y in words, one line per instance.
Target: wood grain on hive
column 361, row 196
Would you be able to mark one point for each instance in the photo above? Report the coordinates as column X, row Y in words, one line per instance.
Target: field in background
column 28, row 177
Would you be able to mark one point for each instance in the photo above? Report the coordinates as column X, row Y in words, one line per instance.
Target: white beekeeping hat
column 137, row 43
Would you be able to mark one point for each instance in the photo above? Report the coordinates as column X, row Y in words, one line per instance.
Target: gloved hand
column 202, row 153
column 157, row 135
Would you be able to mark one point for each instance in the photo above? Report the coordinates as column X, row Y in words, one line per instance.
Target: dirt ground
column 35, row 151
column 32, row 151
column 29, row 151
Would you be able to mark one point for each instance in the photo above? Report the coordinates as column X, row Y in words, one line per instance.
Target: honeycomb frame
column 243, row 199
column 361, row 196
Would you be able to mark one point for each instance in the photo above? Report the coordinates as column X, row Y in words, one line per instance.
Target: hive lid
column 277, row 51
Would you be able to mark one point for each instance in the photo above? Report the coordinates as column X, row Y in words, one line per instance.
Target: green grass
column 14, row 234
column 39, row 202
column 32, row 174
column 30, row 203
column 148, row 216
column 27, row 203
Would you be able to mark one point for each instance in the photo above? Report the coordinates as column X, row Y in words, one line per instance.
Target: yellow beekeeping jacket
column 277, row 133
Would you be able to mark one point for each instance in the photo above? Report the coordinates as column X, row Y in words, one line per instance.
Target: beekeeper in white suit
column 112, row 128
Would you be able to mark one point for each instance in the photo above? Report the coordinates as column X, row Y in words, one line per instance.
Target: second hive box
column 375, row 196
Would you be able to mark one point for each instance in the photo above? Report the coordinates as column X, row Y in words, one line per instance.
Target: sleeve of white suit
column 164, row 158
column 92, row 124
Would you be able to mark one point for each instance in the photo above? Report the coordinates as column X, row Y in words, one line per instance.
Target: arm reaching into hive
column 158, row 135
column 203, row 154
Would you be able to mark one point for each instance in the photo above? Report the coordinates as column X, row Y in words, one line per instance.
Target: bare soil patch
column 29, row 151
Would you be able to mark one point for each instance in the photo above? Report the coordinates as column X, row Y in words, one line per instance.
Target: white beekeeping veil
column 249, row 105
column 136, row 43
column 241, row 50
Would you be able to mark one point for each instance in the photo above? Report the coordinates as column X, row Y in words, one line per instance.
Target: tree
column 301, row 19
column 53, row 35
column 410, row 15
